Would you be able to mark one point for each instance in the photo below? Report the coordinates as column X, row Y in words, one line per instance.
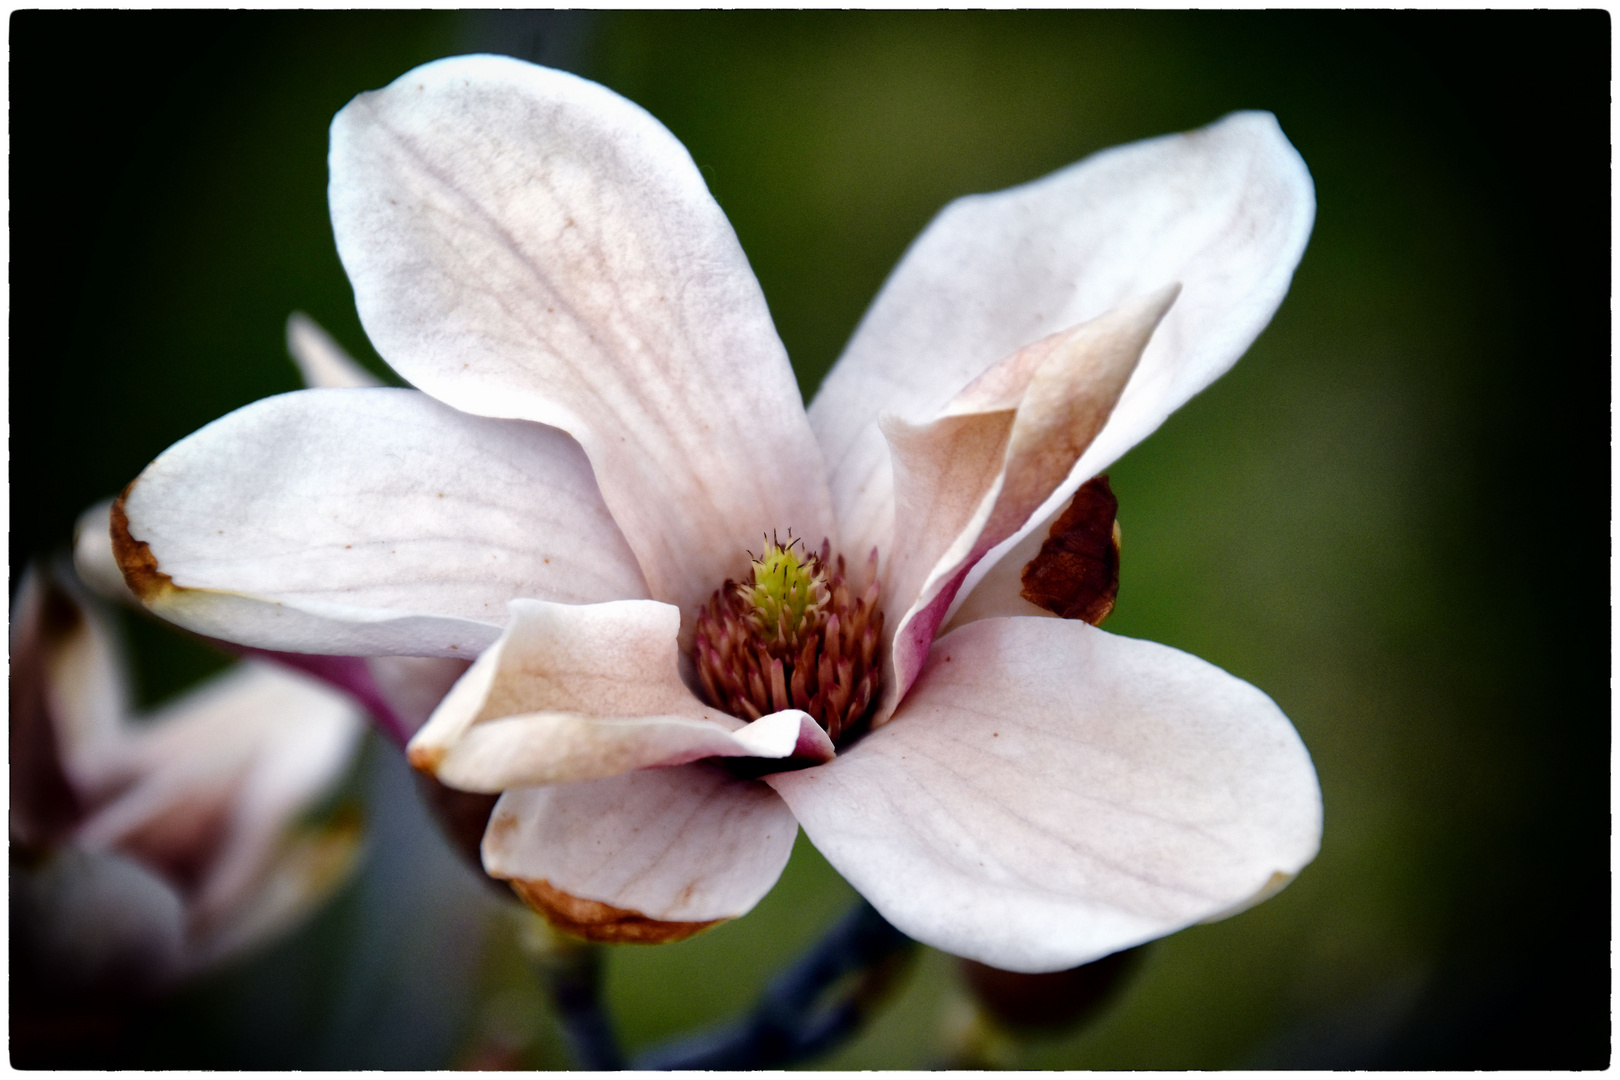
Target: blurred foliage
column 1391, row 515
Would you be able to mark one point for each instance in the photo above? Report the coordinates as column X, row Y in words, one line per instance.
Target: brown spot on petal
column 1076, row 574
column 134, row 557
column 596, row 921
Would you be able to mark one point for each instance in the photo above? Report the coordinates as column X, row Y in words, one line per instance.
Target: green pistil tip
column 785, row 585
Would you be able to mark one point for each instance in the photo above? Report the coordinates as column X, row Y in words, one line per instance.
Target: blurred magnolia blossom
column 148, row 848
column 605, row 424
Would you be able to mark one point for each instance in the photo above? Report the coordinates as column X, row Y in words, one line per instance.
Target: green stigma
column 787, row 592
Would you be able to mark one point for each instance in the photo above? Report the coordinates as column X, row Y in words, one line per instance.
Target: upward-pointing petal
column 524, row 243
column 1225, row 211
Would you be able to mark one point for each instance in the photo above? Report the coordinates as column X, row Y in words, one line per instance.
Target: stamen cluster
column 793, row 636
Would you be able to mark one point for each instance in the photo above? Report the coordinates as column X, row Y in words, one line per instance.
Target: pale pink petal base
column 1050, row 793
column 1224, row 210
column 971, row 478
column 687, row 844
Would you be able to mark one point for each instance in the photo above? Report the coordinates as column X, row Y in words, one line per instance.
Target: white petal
column 1050, row 793
column 1225, row 211
column 523, row 243
column 577, row 692
column 322, row 361
column 366, row 522
column 687, row 844
column 970, row 479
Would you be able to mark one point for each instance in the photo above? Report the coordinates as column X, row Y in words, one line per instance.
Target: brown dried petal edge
column 596, row 921
column 135, row 557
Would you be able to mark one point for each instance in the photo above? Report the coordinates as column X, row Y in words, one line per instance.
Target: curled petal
column 687, row 845
column 971, row 478
column 523, row 243
column 321, row 361
column 1225, row 211
column 579, row 692
column 1050, row 793
column 366, row 522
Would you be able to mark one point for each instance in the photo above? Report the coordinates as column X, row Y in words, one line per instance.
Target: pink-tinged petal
column 60, row 639
column 971, row 478
column 999, row 593
column 366, row 522
column 1050, row 793
column 353, row 676
column 412, row 686
column 308, row 741
column 205, row 788
column 1225, row 211
column 321, row 361
column 578, row 692
column 684, row 845
column 44, row 621
column 523, row 243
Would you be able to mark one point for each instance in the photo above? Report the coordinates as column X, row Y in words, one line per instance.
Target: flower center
column 794, row 636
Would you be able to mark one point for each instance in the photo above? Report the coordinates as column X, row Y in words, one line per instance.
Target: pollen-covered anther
column 795, row 635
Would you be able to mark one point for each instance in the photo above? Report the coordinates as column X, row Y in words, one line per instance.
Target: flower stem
column 792, row 1021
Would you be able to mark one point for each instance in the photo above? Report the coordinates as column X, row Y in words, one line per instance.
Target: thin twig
column 791, row 1022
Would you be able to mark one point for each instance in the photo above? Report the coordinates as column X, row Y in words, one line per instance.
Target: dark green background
column 1392, row 515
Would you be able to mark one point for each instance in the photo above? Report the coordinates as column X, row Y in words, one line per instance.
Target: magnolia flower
column 398, row 691
column 605, row 425
column 149, row 848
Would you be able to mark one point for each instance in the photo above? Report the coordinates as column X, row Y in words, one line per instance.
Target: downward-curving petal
column 1050, row 793
column 366, row 522
column 578, row 692
column 1225, row 211
column 686, row 845
column 523, row 243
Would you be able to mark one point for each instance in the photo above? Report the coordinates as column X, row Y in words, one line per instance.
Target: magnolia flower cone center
column 796, row 635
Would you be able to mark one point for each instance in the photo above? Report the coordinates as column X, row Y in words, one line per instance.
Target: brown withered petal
column 595, row 921
column 1076, row 574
